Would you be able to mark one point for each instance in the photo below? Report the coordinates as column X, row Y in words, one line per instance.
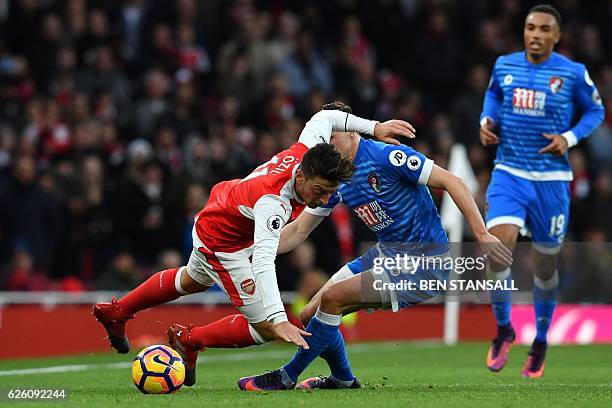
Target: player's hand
column 495, row 250
column 487, row 137
column 386, row 130
column 291, row 334
column 558, row 145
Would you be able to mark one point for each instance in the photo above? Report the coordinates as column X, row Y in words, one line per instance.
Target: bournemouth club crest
column 555, row 84
column 374, row 182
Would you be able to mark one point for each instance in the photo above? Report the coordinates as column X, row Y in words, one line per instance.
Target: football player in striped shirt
column 532, row 98
column 389, row 193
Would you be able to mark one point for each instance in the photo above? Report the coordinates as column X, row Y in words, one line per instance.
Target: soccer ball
column 158, row 370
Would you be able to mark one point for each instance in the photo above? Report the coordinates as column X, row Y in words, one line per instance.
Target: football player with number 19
column 532, row 98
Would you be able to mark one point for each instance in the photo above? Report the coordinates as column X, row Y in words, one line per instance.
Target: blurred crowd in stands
column 116, row 118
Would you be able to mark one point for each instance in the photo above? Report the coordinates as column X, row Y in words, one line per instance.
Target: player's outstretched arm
column 320, row 127
column 296, row 232
column 291, row 334
column 460, row 194
column 270, row 215
column 386, row 131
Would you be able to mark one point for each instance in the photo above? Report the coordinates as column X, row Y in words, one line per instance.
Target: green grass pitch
column 393, row 374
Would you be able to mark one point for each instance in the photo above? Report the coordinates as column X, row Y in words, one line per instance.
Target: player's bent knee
column 544, row 265
column 326, row 298
column 188, row 284
column 331, row 299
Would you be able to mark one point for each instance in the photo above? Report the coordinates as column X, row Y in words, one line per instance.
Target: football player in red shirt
column 235, row 240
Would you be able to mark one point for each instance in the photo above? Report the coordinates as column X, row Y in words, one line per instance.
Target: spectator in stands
column 305, row 68
column 122, row 274
column 150, row 211
column 169, row 259
column 437, row 54
column 195, row 200
column 105, row 77
column 154, row 105
column 29, row 216
column 22, row 275
column 593, row 212
column 97, row 96
column 467, row 106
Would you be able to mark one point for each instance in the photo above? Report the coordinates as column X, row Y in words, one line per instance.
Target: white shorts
column 233, row 273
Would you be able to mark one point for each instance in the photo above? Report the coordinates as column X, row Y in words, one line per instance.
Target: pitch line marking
column 244, row 356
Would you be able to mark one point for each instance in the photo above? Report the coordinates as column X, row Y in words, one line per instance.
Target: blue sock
column 544, row 295
column 322, row 335
column 335, row 355
column 501, row 310
column 501, row 300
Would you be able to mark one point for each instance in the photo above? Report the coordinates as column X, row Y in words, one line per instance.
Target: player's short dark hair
column 548, row 9
column 324, row 160
column 337, row 105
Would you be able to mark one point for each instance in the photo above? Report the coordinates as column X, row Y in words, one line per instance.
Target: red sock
column 159, row 288
column 229, row 332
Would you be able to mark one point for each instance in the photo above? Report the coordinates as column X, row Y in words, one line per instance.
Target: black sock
column 504, row 330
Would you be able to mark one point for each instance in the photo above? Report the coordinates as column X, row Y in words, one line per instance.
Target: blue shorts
column 540, row 208
column 402, row 298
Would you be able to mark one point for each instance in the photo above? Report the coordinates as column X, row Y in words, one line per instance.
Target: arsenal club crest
column 248, row 286
column 555, row 84
column 374, row 182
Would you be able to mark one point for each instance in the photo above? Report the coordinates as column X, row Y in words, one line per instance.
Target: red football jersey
column 227, row 222
column 250, row 213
